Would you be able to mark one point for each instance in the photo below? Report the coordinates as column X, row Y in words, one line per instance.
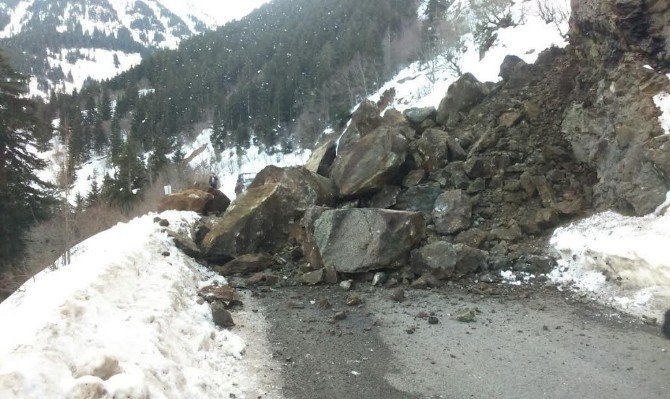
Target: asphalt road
column 523, row 343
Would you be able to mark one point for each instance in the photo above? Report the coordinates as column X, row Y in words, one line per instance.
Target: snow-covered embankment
column 122, row 320
column 618, row 260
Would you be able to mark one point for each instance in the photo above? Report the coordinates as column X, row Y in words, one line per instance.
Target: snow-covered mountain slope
column 122, row 320
column 63, row 42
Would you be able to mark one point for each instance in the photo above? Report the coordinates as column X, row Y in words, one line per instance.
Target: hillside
column 63, row 43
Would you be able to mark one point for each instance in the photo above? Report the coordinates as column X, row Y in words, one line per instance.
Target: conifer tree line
column 24, row 198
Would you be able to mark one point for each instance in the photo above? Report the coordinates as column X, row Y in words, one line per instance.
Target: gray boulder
column 445, row 260
column 360, row 240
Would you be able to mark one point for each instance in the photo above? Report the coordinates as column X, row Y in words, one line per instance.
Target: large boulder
column 445, row 260
column 452, row 212
column 360, row 240
column 322, row 158
column 199, row 198
column 257, row 221
column 307, row 187
column 370, row 163
column 461, row 97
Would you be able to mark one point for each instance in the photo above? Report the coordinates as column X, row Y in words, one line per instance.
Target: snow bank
column 120, row 321
column 617, row 260
column 230, row 163
column 425, row 84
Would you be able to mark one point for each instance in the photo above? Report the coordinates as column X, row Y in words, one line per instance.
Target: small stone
column 346, row 284
column 221, row 316
column 340, row 315
column 353, row 300
column 324, row 304
column 398, row 294
column 487, row 278
column 164, row 223
column 313, row 278
column 433, row 320
column 466, row 315
column 410, row 330
column 425, row 281
column 379, row 278
column 166, row 254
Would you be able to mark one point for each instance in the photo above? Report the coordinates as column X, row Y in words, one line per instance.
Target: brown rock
column 425, row 281
column 258, row 221
column 307, row 188
column 452, row 212
column 322, row 159
column 221, row 316
column 244, row 264
column 370, row 163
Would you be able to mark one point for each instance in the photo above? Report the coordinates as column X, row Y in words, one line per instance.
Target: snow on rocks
column 617, row 260
column 122, row 320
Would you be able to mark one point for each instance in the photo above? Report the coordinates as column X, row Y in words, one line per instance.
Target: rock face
column 358, row 240
column 461, row 97
column 370, row 163
column 307, row 188
column 258, row 221
column 452, row 212
column 200, row 198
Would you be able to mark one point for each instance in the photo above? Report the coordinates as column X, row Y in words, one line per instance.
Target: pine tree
column 93, row 196
column 24, row 198
column 79, row 203
column 99, row 137
column 105, row 106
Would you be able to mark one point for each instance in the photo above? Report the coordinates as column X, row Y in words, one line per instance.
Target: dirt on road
column 522, row 342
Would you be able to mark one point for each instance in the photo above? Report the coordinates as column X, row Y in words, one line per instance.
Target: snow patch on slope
column 425, row 84
column 17, row 19
column 98, row 64
column 617, row 260
column 121, row 319
column 228, row 165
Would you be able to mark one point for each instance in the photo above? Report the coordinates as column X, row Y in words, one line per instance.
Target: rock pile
column 477, row 184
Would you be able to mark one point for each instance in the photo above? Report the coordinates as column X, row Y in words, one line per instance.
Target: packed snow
column 122, row 320
column 424, row 84
column 617, row 260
